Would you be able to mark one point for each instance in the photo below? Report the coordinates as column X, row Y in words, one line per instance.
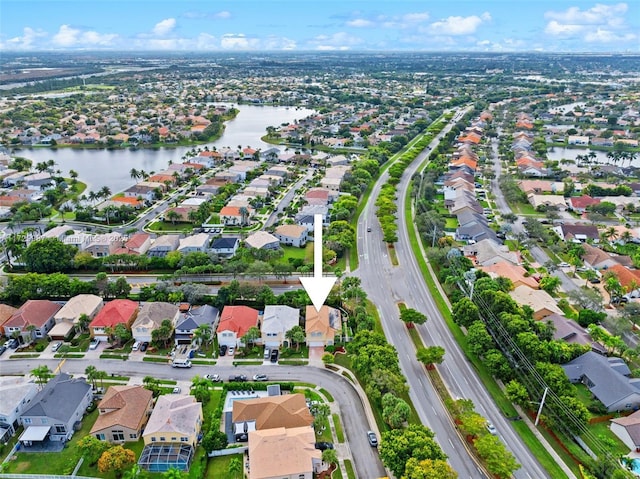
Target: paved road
column 355, row 424
column 288, row 198
column 386, row 285
column 518, row 227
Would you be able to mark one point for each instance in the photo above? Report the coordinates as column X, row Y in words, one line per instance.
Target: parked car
column 135, row 346
column 266, row 354
column 56, row 346
column 563, row 264
column 492, row 429
column 177, row 390
column 594, row 281
column 223, row 349
column 3, row 348
column 324, row 445
column 144, row 346
column 274, row 355
column 213, row 377
column 13, row 344
column 373, row 439
column 238, row 379
column 94, row 343
column 181, row 363
column 260, row 377
column 231, row 350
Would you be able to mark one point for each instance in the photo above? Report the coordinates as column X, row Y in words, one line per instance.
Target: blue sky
column 312, row 25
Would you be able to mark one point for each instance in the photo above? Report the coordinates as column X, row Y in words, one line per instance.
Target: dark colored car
column 594, row 281
column 274, row 355
column 373, row 439
column 144, row 346
column 13, row 344
column 238, row 378
column 2, row 349
column 223, row 349
column 324, row 445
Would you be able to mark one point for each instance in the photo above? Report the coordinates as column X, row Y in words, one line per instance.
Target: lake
column 111, row 168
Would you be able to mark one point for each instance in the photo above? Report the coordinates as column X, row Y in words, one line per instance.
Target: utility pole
column 544, row 396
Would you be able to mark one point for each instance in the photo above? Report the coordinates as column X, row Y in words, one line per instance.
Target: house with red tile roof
column 234, row 323
column 124, row 412
column 231, row 216
column 579, row 204
column 139, row 243
column 129, row 201
column 32, row 320
column 6, row 312
column 118, row 311
column 629, row 279
column 516, row 273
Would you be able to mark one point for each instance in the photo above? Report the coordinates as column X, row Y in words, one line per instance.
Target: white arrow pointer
column 318, row 287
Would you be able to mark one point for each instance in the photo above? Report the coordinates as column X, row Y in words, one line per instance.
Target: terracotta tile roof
column 583, row 201
column 115, row 312
column 289, row 410
column 238, row 319
column 6, row 312
column 230, row 211
column 282, row 452
column 321, row 321
column 511, row 271
column 629, row 278
column 125, row 406
column 35, row 312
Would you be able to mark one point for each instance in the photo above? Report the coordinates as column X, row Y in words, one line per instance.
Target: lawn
column 219, row 467
column 164, row 226
column 305, row 254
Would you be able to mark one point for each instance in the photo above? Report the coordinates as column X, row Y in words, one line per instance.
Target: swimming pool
column 228, row 403
column 635, row 466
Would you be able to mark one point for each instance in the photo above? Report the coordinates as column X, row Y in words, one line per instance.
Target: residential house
column 282, row 453
column 515, row 273
column 536, row 187
column 104, row 244
column 171, row 434
column 147, row 193
column 577, row 233
column 608, row 379
column 627, row 429
column 193, row 318
column 235, row 216
column 195, row 243
column 489, row 251
column 288, row 410
column 68, row 316
column 56, row 410
column 118, row 311
column 579, row 204
column 292, row 235
column 123, row 413
column 276, row 321
column 541, row 302
column 16, row 394
column 235, row 321
column 570, row 331
column 629, row 279
column 321, row 326
column 225, row 247
column 150, row 317
column 547, row 200
column 6, row 312
column 598, row 259
column 306, row 216
column 262, row 240
column 163, row 244
column 176, row 418
column 32, row 320
column 57, row 232
column 139, row 243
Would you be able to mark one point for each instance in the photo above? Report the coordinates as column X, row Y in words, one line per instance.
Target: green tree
column 92, row 375
column 550, row 284
column 48, row 255
column 121, row 334
column 395, row 411
column 294, row 336
column 91, row 448
column 330, row 456
column 250, row 337
column 465, row 312
column 498, row 459
column 200, row 389
column 517, row 393
column 429, row 469
column 235, row 467
column 411, row 316
column 163, row 334
column 430, row 355
column 42, row 374
column 399, row 445
column 174, row 473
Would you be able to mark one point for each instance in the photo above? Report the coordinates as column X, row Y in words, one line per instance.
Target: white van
column 181, row 363
column 136, row 346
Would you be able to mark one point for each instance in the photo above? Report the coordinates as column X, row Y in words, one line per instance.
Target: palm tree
column 202, row 334
column 93, row 196
column 135, row 174
column 235, row 467
column 105, row 192
column 91, row 372
column 42, row 375
column 172, row 216
column 610, row 233
column 244, row 215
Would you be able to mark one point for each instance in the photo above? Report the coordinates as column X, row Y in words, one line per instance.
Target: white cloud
column 222, row 14
column 593, row 16
column 456, row 25
column 232, row 41
column 337, row 41
column 360, row 23
column 562, row 29
column 68, row 36
column 601, row 35
column 164, row 27
column 28, row 39
column 415, row 17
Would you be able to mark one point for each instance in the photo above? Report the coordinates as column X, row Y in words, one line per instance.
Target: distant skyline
column 312, row 25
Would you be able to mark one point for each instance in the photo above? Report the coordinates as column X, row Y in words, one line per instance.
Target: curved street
column 352, row 412
column 386, row 285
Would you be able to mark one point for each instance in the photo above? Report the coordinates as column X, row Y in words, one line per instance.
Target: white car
column 492, row 429
column 177, row 390
column 231, row 350
column 94, row 344
column 56, row 346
